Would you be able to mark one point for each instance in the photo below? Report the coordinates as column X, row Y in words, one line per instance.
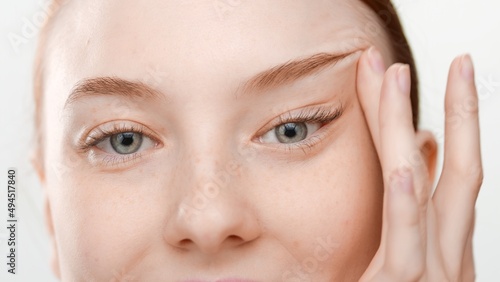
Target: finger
column 370, row 75
column 393, row 124
column 468, row 268
column 371, row 70
column 397, row 136
column 435, row 268
column 405, row 253
column 406, row 230
column 461, row 179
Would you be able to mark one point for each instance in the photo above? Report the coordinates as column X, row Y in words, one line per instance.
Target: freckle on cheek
column 346, row 223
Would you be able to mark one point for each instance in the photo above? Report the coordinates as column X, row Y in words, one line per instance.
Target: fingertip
column 376, row 61
column 466, row 67
column 404, row 80
column 363, row 68
column 366, row 82
column 396, row 80
column 371, row 67
column 461, row 92
column 463, row 67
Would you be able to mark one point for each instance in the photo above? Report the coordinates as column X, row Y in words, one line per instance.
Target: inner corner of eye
column 157, row 144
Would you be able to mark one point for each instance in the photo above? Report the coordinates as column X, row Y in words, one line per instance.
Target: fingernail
column 466, row 67
column 404, row 79
column 402, row 181
column 376, row 61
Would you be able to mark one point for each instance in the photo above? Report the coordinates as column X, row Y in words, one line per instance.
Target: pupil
column 290, row 130
column 127, row 138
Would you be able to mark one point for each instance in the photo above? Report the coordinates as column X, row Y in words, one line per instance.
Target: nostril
column 235, row 240
column 232, row 240
column 184, row 243
column 222, row 225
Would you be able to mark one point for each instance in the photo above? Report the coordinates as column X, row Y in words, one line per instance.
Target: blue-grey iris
column 126, row 142
column 291, row 132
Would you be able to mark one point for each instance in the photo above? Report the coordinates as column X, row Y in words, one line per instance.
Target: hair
column 384, row 10
column 400, row 48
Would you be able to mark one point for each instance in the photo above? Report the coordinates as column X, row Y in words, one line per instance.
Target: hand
column 425, row 236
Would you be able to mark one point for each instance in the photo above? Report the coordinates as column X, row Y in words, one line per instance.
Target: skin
column 208, row 199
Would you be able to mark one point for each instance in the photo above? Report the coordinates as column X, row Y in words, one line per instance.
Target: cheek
column 103, row 221
column 326, row 213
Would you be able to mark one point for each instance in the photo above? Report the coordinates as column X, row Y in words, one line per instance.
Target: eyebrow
column 291, row 71
column 112, row 86
column 268, row 79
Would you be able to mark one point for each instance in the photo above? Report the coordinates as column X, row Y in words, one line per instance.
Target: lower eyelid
column 112, row 160
column 106, row 160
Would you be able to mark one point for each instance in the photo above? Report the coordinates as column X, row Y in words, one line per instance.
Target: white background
column 438, row 30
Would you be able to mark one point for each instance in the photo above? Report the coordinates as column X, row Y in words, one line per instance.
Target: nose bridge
column 205, row 165
column 212, row 213
column 205, row 153
column 205, row 178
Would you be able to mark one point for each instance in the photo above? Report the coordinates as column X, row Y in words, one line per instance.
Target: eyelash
column 323, row 115
column 99, row 135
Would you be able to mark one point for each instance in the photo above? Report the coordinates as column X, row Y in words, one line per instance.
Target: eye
column 125, row 143
column 291, row 132
column 117, row 144
column 300, row 129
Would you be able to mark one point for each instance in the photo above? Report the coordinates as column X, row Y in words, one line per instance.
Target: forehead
column 211, row 42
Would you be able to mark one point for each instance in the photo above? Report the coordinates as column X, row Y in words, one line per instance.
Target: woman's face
column 208, row 141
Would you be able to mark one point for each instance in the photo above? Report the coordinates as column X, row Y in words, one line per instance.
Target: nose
column 211, row 220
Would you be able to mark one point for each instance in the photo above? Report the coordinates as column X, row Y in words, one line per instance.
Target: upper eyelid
column 303, row 114
column 319, row 113
column 98, row 134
